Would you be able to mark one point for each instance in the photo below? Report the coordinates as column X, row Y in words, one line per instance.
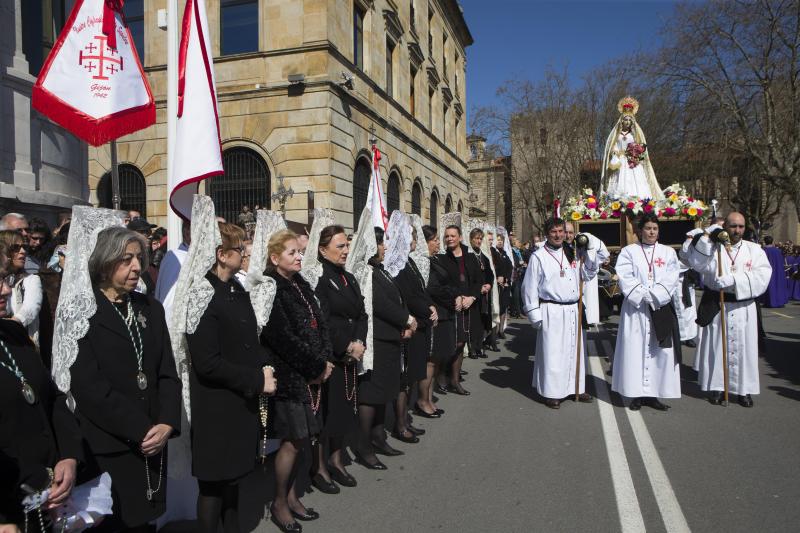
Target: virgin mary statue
column 626, row 160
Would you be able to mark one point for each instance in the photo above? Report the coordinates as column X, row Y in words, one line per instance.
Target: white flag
column 198, row 154
column 376, row 201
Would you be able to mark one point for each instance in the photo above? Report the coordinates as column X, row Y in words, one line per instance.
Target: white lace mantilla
column 420, row 255
column 263, row 288
column 76, row 302
column 448, row 219
column 312, row 268
column 193, row 293
column 362, row 249
column 398, row 243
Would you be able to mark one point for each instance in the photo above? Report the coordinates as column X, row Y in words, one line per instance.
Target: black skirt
column 504, row 297
column 381, row 384
column 417, row 351
column 444, row 342
column 339, row 413
column 290, row 420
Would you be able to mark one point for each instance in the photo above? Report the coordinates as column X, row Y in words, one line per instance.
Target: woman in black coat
column 124, row 383
column 418, row 347
column 228, row 373
column 391, row 325
column 40, row 442
column 297, row 336
column 481, row 312
column 343, row 306
column 504, row 269
column 465, row 276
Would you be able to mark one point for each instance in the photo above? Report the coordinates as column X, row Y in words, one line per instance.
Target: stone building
column 301, row 84
column 42, row 166
column 490, row 184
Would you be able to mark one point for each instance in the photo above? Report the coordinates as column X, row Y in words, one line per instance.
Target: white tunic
column 686, row 314
column 168, row 276
column 591, row 298
column 746, row 274
column 641, row 367
column 554, row 369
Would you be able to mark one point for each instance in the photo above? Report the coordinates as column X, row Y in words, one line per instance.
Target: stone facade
column 42, row 167
column 315, row 132
column 490, row 184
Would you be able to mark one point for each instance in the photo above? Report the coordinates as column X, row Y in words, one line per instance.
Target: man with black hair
column 550, row 292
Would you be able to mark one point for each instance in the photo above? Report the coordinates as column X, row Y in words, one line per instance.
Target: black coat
column 226, row 379
column 412, row 288
column 503, row 267
column 32, row 437
column 299, row 341
column 343, row 305
column 389, row 311
column 442, row 290
column 474, row 277
column 114, row 415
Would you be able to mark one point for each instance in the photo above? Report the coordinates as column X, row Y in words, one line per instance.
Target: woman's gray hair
column 110, row 249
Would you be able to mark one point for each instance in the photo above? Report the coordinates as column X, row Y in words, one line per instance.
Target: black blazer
column 301, row 346
column 442, row 289
column 32, row 437
column 502, row 264
column 114, row 415
column 389, row 311
column 412, row 288
column 471, row 286
column 343, row 306
column 226, row 378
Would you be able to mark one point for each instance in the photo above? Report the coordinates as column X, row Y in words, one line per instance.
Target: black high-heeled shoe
column 458, row 390
column 423, row 414
column 309, row 515
column 323, row 485
column 292, row 527
column 363, row 462
column 342, row 478
column 439, row 389
column 416, row 431
column 413, row 439
column 385, row 449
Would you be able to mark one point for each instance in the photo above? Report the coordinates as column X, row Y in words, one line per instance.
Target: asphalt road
column 500, row 460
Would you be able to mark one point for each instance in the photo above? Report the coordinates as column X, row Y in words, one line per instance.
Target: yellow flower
column 577, row 216
column 615, row 206
column 692, row 211
column 674, row 197
column 591, row 200
column 652, row 202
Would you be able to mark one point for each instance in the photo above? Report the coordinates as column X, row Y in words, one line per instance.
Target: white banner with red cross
column 92, row 82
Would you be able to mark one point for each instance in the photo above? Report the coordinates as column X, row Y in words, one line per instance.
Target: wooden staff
column 723, row 325
column 580, row 328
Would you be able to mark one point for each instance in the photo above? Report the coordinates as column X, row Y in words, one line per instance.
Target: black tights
column 218, row 500
column 370, row 421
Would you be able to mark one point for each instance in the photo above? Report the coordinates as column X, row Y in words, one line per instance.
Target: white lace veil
column 262, row 288
column 398, row 243
column 312, row 268
column 362, row 249
column 76, row 302
column 420, row 255
column 193, row 293
column 448, row 219
column 495, row 294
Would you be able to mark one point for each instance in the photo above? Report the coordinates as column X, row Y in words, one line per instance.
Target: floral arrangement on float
column 677, row 203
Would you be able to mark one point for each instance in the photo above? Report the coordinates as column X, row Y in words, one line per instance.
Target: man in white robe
column 550, row 301
column 170, row 269
column 645, row 366
column 591, row 295
column 745, row 276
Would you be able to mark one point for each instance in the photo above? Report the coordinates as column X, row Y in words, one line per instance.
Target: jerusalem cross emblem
column 101, row 58
column 659, row 262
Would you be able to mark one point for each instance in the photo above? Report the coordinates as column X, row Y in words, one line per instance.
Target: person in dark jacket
column 297, row 336
column 126, row 389
column 343, row 306
column 465, row 275
column 418, row 347
column 40, row 442
column 481, row 312
column 229, row 371
column 391, row 325
column 504, row 269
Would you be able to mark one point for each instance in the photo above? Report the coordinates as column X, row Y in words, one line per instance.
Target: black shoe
column 440, row 412
column 413, row 439
column 439, row 389
column 716, row 397
column 322, row 485
column 463, row 372
column 461, row 391
column 292, row 527
column 656, row 404
column 473, row 356
column 416, row 431
column 691, row 344
column 385, row 449
column 363, row 462
column 342, row 478
column 745, row 400
column 585, row 397
column 423, row 414
column 553, row 404
column 309, row 515
column 636, row 404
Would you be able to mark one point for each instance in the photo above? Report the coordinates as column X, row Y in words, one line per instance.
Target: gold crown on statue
column 628, row 106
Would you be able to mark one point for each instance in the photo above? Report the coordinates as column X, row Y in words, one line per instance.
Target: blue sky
column 520, row 38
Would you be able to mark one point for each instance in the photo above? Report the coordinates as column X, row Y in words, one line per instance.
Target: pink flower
column 603, row 215
column 669, row 211
column 586, row 217
column 629, row 205
column 648, row 208
column 699, row 212
column 592, row 205
column 616, row 214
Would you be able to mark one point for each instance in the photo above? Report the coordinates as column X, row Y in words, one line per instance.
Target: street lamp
column 282, row 194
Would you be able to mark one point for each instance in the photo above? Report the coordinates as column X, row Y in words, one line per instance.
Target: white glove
column 713, row 227
column 723, row 282
column 694, row 232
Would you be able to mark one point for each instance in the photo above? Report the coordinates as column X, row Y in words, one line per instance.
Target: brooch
column 142, row 320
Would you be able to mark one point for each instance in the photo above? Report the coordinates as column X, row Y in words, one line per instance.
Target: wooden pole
column 580, row 331
column 723, row 324
column 116, row 199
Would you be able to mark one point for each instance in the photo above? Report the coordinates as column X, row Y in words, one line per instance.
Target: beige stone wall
column 313, row 136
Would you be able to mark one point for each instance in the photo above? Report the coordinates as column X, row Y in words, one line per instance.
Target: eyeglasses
column 239, row 249
column 16, row 248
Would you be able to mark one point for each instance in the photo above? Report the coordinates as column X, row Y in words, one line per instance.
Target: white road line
column 630, row 514
column 671, row 512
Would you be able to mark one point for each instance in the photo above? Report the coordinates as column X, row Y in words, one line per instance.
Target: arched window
column 393, row 193
column 361, row 177
column 434, row 211
column 460, row 206
column 416, row 198
column 245, row 182
column 132, row 190
column 448, row 204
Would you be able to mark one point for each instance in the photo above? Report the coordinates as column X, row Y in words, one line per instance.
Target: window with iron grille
column 246, row 182
column 132, row 190
column 416, row 198
column 448, row 204
column 393, row 193
column 434, row 211
column 361, row 177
